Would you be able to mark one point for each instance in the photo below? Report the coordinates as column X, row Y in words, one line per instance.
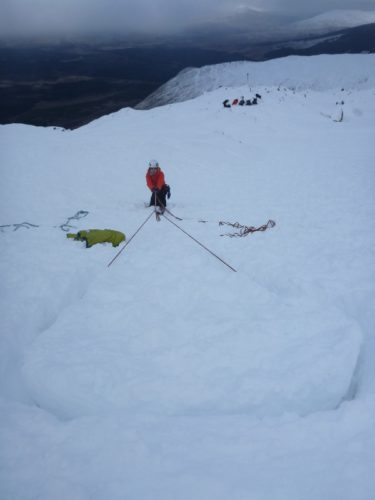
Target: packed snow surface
column 168, row 375
column 318, row 73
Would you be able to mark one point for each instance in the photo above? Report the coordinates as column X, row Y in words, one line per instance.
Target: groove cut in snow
column 216, row 365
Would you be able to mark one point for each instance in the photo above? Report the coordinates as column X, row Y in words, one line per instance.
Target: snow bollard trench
column 35, row 290
column 106, row 354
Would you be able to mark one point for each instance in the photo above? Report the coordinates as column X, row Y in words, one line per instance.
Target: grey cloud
column 300, row 7
column 124, row 16
column 103, row 15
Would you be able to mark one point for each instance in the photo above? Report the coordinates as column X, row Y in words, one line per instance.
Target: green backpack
column 94, row 236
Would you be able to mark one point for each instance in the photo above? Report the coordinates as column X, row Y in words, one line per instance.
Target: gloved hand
column 155, row 190
column 169, row 194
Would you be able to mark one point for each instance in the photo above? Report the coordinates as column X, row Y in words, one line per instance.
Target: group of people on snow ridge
column 160, row 191
column 242, row 101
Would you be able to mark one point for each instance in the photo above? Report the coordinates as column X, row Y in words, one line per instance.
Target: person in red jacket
column 156, row 183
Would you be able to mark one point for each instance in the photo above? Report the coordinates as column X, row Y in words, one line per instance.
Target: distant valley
column 68, row 85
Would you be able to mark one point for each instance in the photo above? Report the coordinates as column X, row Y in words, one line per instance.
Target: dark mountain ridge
column 349, row 41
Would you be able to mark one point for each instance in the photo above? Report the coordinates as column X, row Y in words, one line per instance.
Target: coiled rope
column 245, row 230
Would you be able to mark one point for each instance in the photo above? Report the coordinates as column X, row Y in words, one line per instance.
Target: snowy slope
column 168, row 375
column 303, row 73
column 333, row 20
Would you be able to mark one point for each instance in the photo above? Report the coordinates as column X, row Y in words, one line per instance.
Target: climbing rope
column 26, row 225
column 245, row 230
column 127, row 243
column 199, row 243
column 79, row 215
column 64, row 227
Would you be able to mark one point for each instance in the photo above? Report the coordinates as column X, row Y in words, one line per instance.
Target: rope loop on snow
column 26, row 225
column 64, row 227
column 78, row 215
column 245, row 230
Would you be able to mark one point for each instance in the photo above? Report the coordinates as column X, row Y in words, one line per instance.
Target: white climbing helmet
column 153, row 164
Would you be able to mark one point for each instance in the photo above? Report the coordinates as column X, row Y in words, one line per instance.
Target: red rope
column 245, row 230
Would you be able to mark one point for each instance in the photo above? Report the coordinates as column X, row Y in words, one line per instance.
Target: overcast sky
column 39, row 17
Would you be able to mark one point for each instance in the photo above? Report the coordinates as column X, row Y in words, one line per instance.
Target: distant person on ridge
column 156, row 183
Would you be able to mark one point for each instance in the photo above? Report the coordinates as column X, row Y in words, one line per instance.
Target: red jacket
column 156, row 180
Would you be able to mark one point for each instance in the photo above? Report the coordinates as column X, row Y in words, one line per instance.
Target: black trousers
column 159, row 198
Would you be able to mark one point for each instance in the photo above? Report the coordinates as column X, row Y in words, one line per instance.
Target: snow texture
column 333, row 20
column 167, row 375
column 318, row 73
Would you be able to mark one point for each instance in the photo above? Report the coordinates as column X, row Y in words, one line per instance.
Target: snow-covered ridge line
column 334, row 19
column 323, row 72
